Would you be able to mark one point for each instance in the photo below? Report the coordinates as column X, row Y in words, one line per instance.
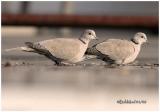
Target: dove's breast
column 132, row 57
column 79, row 56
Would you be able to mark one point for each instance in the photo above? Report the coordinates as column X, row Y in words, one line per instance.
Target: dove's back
column 65, row 48
column 116, row 49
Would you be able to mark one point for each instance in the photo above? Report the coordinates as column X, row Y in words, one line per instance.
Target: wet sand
column 32, row 82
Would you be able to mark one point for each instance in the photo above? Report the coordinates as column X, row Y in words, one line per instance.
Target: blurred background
column 32, row 82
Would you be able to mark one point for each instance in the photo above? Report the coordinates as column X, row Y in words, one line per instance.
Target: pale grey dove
column 61, row 50
column 118, row 51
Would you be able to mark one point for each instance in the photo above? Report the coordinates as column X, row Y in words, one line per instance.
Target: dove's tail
column 27, row 49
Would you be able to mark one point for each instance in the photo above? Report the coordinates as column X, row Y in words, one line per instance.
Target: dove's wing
column 62, row 48
column 116, row 49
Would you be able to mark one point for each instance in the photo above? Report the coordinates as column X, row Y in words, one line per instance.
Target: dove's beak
column 96, row 38
column 147, row 41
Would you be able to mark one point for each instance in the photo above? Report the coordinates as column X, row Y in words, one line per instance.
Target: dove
column 61, row 50
column 118, row 51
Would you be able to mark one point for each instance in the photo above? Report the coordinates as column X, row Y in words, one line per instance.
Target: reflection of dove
column 119, row 51
column 61, row 50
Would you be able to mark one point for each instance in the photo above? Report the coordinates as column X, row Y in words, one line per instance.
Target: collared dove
column 61, row 50
column 118, row 51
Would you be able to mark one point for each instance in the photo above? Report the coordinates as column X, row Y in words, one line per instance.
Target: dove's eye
column 89, row 33
column 142, row 36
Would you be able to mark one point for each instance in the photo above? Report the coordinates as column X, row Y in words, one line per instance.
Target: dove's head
column 139, row 38
column 89, row 34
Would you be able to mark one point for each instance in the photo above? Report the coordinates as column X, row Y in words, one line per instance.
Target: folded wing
column 62, row 48
column 116, row 49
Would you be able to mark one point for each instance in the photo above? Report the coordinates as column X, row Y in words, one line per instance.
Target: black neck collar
column 134, row 41
column 82, row 41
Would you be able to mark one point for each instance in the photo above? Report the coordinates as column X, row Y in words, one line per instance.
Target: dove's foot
column 58, row 63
